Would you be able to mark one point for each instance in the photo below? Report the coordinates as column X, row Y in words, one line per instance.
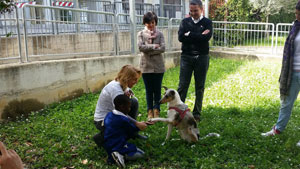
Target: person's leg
column 134, row 110
column 138, row 154
column 201, row 67
column 99, row 137
column 186, row 70
column 157, row 93
column 288, row 103
column 148, row 78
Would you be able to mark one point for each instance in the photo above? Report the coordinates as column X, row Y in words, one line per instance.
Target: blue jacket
column 118, row 129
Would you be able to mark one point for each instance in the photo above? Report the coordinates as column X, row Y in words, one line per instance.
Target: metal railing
column 10, row 37
column 39, row 40
column 282, row 31
column 62, row 33
column 244, row 35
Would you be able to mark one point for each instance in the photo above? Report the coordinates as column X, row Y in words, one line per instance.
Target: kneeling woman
column 126, row 79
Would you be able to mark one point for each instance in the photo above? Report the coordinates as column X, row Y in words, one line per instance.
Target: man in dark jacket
column 194, row 34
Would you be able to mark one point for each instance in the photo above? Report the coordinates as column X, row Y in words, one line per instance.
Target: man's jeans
column 199, row 65
column 288, row 103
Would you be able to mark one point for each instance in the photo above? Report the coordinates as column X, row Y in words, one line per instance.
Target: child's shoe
column 119, row 159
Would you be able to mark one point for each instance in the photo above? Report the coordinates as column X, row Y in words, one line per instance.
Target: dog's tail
column 210, row 135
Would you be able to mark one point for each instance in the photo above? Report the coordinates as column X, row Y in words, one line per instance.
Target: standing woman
column 289, row 77
column 151, row 43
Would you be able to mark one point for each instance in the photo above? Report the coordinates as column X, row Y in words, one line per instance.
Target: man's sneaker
column 271, row 133
column 119, row 159
column 298, row 144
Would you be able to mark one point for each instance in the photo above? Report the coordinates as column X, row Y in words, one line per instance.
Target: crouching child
column 118, row 129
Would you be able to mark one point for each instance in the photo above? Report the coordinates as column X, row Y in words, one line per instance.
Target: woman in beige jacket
column 151, row 43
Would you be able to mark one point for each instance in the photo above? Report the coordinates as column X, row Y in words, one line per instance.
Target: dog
column 179, row 116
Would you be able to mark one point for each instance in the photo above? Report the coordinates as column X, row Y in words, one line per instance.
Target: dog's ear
column 165, row 88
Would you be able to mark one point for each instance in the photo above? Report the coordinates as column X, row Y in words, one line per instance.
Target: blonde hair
column 126, row 74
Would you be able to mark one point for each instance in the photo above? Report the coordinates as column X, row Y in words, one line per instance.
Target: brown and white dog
column 179, row 116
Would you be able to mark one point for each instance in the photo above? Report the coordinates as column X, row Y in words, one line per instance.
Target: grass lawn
column 241, row 101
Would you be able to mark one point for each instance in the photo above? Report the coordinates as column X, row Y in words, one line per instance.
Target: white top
column 117, row 112
column 105, row 102
column 197, row 20
column 296, row 64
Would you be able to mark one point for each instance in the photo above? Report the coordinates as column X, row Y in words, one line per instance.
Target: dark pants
column 199, row 65
column 99, row 138
column 152, row 83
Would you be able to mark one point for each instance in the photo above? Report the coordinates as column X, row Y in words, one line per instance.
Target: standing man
column 194, row 34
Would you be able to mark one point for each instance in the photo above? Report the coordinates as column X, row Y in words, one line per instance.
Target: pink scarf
column 150, row 35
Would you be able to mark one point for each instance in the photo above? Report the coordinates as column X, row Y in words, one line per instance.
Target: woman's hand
column 141, row 125
column 129, row 93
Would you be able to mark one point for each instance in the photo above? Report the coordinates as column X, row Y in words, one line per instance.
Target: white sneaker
column 270, row 133
column 298, row 144
column 119, row 159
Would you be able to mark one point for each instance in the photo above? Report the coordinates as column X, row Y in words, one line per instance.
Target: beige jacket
column 152, row 60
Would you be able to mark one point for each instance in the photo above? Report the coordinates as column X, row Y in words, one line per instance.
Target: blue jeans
column 288, row 103
column 199, row 65
column 152, row 83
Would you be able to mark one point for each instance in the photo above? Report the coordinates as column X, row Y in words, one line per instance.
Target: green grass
column 241, row 101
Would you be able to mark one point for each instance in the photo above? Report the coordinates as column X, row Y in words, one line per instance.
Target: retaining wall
column 45, row 82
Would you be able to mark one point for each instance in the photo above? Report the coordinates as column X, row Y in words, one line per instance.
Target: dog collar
column 182, row 113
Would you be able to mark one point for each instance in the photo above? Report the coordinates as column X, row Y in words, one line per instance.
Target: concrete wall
column 52, row 81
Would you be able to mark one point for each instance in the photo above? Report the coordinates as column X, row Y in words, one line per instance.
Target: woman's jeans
column 152, row 83
column 288, row 102
column 199, row 65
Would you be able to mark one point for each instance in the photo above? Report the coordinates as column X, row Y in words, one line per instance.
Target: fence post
column 272, row 44
column 207, row 8
column 225, row 34
column 170, row 28
column 276, row 39
column 161, row 9
column 77, row 16
column 132, row 25
column 116, row 33
column 25, row 34
column 19, row 34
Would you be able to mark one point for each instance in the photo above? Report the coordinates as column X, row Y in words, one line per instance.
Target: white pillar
column 207, row 8
column 187, row 7
column 161, row 4
column 133, row 26
column 77, row 15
